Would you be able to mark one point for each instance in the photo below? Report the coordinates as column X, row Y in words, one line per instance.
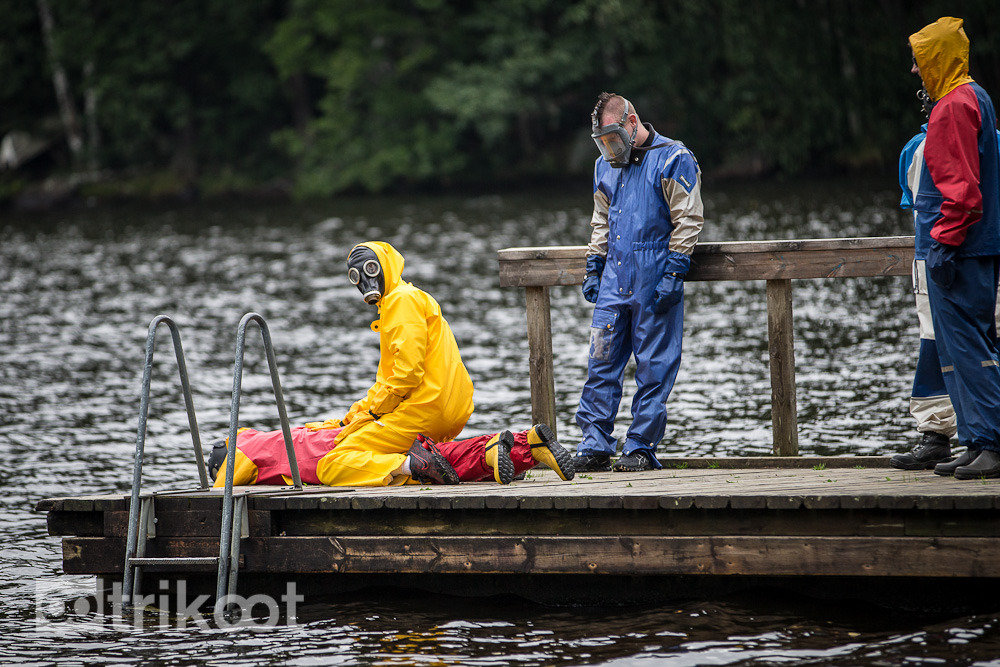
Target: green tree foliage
column 183, row 83
column 371, row 63
column 340, row 95
column 24, row 89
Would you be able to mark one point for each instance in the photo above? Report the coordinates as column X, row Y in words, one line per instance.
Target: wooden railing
column 777, row 262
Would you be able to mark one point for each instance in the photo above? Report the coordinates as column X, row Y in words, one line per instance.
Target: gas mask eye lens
column 353, row 275
column 371, row 268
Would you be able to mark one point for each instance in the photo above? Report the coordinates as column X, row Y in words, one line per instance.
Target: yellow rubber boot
column 498, row 456
column 244, row 472
column 545, row 449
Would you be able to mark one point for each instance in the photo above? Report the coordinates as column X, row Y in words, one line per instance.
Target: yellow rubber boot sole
column 545, row 449
column 498, row 456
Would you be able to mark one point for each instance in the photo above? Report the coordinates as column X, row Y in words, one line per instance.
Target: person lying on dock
column 261, row 457
column 422, row 390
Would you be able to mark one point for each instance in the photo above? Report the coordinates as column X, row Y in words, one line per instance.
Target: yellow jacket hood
column 389, row 258
column 941, row 50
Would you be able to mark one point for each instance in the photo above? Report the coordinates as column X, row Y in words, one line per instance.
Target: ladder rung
column 181, row 560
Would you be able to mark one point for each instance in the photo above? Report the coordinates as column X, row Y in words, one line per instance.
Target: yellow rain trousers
column 421, row 387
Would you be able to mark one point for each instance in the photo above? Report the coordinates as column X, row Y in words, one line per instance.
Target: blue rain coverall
column 930, row 404
column 957, row 204
column 929, row 401
column 646, row 221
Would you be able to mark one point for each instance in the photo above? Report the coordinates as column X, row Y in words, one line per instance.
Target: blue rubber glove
column 670, row 289
column 592, row 283
column 941, row 264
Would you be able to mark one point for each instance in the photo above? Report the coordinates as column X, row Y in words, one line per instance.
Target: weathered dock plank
column 722, row 555
column 727, row 555
column 729, row 260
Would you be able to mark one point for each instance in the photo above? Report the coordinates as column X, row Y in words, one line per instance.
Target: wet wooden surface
column 831, row 519
column 815, row 483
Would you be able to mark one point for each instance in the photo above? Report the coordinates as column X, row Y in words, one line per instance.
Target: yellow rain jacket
column 941, row 50
column 421, row 387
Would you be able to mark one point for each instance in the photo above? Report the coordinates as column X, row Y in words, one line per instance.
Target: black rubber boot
column 964, row 459
column 932, row 449
column 429, row 466
column 591, row 463
column 216, row 458
column 986, row 466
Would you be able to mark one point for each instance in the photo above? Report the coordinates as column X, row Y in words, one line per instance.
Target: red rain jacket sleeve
column 952, row 156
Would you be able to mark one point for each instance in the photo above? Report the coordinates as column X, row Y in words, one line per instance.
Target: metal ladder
column 232, row 531
column 142, row 521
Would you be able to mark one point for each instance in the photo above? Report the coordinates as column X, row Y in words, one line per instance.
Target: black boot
column 216, row 458
column 986, row 466
column 932, row 449
column 591, row 463
column 640, row 459
column 964, row 459
column 429, row 466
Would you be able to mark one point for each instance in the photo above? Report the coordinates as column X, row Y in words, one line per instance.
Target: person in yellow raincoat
column 421, row 388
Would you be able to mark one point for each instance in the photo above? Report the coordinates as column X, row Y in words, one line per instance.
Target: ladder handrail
column 140, row 440
column 226, row 580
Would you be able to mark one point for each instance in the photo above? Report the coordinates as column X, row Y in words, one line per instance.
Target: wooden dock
column 837, row 526
column 704, row 520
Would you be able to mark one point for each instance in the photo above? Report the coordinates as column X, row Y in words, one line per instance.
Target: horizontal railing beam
column 741, row 260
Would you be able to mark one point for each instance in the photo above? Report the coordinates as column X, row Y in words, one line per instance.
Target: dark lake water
column 79, row 287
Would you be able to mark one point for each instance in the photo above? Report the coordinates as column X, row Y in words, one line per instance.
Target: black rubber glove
column 592, row 283
column 941, row 264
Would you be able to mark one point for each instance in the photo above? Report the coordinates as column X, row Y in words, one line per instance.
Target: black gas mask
column 365, row 272
column 614, row 142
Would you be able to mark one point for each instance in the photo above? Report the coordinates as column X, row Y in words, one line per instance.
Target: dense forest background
column 318, row 97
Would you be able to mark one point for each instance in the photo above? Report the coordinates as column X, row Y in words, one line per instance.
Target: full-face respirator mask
column 365, row 272
column 613, row 141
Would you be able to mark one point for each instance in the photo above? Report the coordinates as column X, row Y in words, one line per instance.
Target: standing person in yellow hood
column 421, row 387
column 957, row 221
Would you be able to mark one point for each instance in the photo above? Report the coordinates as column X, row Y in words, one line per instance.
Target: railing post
column 543, row 393
column 781, row 350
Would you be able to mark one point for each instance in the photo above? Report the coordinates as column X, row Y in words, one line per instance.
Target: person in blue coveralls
column 647, row 217
column 957, row 216
column 930, row 404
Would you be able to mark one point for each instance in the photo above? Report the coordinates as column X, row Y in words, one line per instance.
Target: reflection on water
column 78, row 289
column 394, row 629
